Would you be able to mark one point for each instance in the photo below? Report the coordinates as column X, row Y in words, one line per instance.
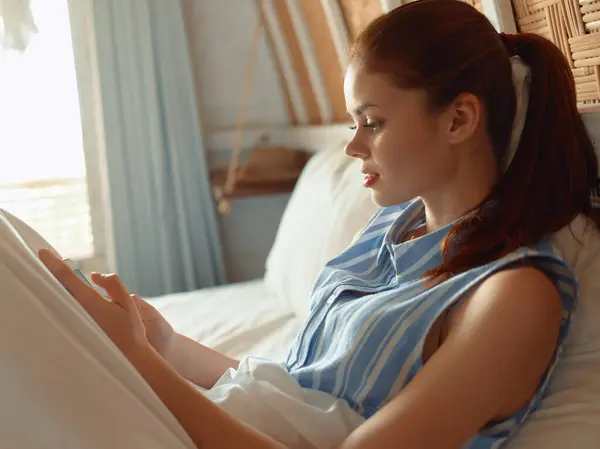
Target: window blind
column 56, row 208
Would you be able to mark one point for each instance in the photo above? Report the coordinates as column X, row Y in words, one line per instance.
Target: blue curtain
column 165, row 226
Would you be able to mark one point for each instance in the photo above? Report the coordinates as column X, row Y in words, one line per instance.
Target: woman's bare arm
column 208, row 426
column 196, row 362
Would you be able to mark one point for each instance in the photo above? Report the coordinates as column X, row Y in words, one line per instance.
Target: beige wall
column 219, row 33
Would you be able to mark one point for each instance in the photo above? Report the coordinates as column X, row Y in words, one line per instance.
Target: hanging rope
column 225, row 203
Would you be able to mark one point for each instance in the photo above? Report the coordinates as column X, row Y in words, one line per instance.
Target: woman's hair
column 447, row 47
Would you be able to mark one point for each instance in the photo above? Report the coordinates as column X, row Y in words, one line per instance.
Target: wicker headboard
column 573, row 25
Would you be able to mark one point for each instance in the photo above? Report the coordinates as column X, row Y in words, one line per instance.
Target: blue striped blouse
column 370, row 313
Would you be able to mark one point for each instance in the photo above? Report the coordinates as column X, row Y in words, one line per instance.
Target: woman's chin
column 380, row 199
column 386, row 200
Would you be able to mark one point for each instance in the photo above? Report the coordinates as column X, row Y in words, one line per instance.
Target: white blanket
column 234, row 319
column 262, row 394
column 63, row 384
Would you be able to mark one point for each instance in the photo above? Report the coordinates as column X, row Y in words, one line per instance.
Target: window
column 42, row 166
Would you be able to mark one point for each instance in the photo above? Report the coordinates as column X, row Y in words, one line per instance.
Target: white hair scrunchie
column 521, row 75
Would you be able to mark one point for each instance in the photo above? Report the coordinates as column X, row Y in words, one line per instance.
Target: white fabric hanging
column 16, row 24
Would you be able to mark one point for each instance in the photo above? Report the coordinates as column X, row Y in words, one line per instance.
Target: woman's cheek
column 381, row 147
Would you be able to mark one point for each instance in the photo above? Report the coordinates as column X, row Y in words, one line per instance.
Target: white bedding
column 236, row 319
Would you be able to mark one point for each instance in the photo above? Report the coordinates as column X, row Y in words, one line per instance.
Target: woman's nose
column 355, row 148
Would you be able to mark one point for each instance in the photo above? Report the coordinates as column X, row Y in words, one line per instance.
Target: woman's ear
column 462, row 118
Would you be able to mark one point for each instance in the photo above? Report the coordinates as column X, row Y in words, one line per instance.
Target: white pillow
column 569, row 416
column 327, row 208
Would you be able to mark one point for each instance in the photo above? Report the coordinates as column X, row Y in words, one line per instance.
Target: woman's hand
column 159, row 332
column 119, row 318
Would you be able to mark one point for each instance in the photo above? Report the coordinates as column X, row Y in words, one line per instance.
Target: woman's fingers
column 142, row 306
column 115, row 289
column 136, row 316
column 95, row 276
column 67, row 277
column 138, row 301
column 119, row 295
column 122, row 324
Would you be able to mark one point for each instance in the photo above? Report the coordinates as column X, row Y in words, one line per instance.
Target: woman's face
column 402, row 145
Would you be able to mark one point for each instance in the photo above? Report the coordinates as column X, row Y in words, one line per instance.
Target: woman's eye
column 373, row 125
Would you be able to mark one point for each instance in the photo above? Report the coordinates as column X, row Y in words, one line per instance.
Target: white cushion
column 569, row 416
column 327, row 208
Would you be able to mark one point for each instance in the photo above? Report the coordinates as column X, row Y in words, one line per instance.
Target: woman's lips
column 370, row 179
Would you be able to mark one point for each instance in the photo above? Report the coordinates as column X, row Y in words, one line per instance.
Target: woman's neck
column 469, row 186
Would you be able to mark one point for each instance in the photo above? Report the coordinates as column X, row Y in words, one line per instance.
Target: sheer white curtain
column 165, row 229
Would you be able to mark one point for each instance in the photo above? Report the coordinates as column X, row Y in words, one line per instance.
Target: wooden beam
column 307, row 47
column 388, row 5
column 339, row 30
column 299, row 66
column 500, row 13
column 359, row 13
column 327, row 57
column 286, row 64
column 287, row 97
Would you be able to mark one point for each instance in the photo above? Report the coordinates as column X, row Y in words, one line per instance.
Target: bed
column 235, row 319
column 326, row 209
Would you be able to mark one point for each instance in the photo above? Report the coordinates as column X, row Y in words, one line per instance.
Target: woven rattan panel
column 573, row 25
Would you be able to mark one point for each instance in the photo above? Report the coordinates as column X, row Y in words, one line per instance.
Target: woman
column 442, row 322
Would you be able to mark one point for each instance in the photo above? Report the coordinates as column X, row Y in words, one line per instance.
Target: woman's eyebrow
column 363, row 107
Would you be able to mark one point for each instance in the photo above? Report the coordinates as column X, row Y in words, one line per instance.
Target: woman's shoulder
column 527, row 265
column 519, row 313
column 542, row 256
column 528, row 283
column 507, row 288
